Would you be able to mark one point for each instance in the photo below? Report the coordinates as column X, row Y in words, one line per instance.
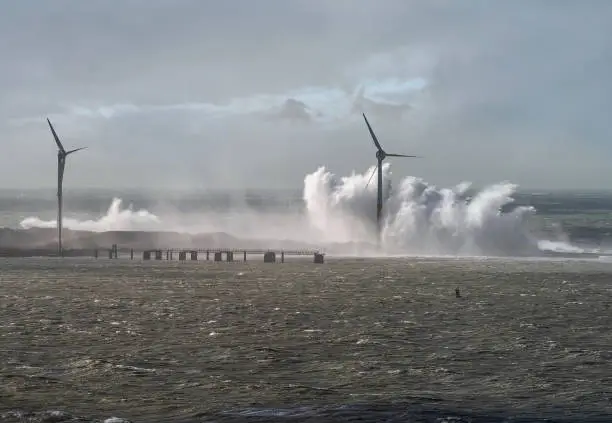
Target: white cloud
column 514, row 91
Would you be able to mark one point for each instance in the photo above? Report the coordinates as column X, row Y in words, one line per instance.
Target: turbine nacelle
column 380, row 153
column 61, row 151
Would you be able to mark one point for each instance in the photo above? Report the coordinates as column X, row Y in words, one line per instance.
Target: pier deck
column 182, row 254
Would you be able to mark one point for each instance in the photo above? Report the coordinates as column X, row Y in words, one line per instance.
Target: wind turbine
column 380, row 156
column 61, row 164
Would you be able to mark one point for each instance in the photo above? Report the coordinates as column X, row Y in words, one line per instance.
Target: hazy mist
column 194, row 93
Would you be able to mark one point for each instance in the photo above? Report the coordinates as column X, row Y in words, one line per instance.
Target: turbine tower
column 380, row 156
column 61, row 164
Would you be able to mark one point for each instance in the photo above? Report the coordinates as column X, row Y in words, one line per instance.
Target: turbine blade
column 57, row 140
column 371, row 176
column 401, row 155
column 75, row 150
column 376, row 143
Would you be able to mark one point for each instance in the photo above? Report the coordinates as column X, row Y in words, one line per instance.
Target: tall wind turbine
column 380, row 156
column 61, row 164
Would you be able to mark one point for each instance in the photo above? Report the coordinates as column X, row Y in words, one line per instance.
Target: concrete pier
column 218, row 254
column 269, row 257
column 113, row 252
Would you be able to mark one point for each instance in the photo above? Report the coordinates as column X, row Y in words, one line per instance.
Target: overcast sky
column 183, row 92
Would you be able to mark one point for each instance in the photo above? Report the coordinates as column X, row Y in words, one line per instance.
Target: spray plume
column 418, row 219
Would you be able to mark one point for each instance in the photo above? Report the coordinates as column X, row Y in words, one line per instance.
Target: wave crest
column 339, row 212
column 417, row 217
column 117, row 218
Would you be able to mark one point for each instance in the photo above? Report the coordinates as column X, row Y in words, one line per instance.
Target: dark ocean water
column 351, row 340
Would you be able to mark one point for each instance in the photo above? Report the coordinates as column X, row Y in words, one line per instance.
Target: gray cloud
column 173, row 92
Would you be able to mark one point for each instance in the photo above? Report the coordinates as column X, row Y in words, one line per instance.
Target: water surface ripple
column 373, row 340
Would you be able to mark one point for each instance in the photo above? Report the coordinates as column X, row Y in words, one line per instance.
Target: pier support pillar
column 245, row 256
column 146, row 255
column 96, row 253
column 182, row 255
column 229, row 256
column 269, row 257
column 319, row 258
column 218, row 256
column 282, row 256
column 131, row 254
column 158, row 254
column 194, row 255
column 207, row 255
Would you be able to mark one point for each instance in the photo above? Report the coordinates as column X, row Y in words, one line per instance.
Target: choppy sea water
column 350, row 340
